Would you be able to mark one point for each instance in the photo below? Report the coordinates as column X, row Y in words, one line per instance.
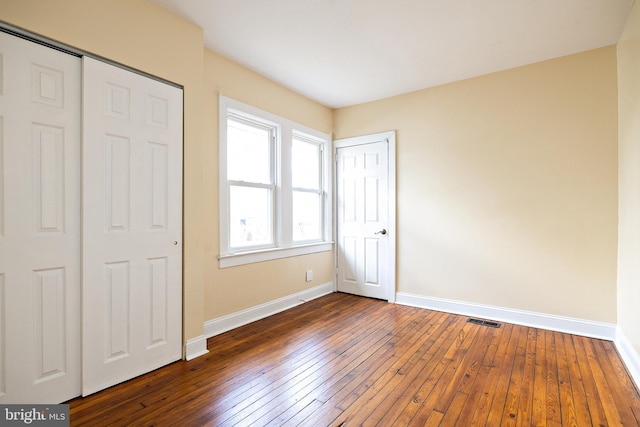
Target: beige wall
column 507, row 186
column 146, row 37
column 236, row 288
column 629, row 177
column 506, row 183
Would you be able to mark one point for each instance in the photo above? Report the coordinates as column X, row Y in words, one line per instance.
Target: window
column 251, row 182
column 307, row 194
column 274, row 175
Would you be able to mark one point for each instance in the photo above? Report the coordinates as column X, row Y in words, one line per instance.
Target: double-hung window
column 307, row 188
column 274, row 186
column 251, row 182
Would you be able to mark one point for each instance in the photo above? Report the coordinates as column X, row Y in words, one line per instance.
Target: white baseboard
column 629, row 355
column 551, row 322
column 196, row 347
column 222, row 324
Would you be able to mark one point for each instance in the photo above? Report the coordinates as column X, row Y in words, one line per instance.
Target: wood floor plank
column 539, row 407
column 346, row 369
column 578, row 391
column 343, row 360
column 502, row 387
column 348, row 390
column 526, row 393
column 393, row 397
column 554, row 417
column 593, row 401
column 464, row 367
column 374, row 331
column 298, row 381
column 262, row 377
column 445, row 331
column 613, row 368
column 616, row 414
column 568, row 414
column 435, row 419
column 424, row 385
column 441, row 395
column 510, row 412
column 475, row 386
column 389, row 388
column 480, row 411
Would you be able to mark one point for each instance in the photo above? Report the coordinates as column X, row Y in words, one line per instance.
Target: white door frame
column 390, row 137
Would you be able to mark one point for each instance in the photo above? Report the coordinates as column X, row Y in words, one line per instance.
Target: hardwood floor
column 343, row 360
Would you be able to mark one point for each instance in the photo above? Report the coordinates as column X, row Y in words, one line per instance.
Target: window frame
column 282, row 211
column 309, row 139
column 273, row 131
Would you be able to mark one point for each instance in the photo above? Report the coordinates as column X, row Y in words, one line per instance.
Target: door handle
column 383, row 231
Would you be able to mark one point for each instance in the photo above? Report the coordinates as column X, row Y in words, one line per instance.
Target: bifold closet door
column 39, row 223
column 132, row 225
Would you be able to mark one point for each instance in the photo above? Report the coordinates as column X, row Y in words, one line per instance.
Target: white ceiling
column 345, row 52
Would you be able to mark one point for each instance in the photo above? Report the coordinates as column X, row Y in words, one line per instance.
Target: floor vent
column 483, row 322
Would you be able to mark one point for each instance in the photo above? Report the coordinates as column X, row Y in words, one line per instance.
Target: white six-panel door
column 363, row 227
column 132, row 225
column 39, row 223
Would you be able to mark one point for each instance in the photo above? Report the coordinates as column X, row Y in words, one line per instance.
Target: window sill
column 232, row 260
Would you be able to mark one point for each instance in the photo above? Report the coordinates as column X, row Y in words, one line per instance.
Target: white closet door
column 39, row 223
column 132, row 225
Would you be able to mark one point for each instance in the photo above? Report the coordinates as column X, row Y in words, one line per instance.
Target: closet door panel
column 39, row 223
column 132, row 225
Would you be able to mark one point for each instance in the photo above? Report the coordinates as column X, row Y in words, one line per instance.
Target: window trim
column 284, row 245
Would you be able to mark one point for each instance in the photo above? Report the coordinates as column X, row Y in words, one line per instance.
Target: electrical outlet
column 309, row 275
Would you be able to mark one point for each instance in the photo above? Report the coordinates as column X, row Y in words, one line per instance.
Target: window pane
column 305, row 164
column 306, row 216
column 250, row 216
column 248, row 152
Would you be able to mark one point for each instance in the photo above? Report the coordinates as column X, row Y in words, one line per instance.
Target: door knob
column 383, row 231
